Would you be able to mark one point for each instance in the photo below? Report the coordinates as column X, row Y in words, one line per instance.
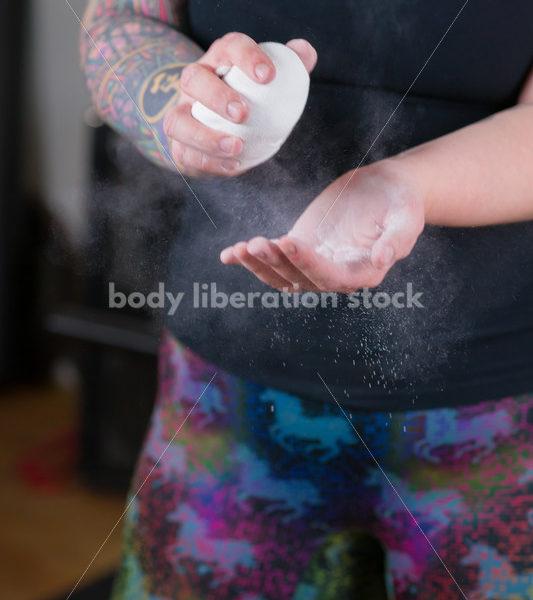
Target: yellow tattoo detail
column 160, row 91
column 112, row 73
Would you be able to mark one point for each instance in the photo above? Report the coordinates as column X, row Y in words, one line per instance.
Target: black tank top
column 473, row 338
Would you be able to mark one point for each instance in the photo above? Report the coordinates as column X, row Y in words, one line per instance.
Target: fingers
column 195, row 160
column 293, row 264
column 181, row 126
column 323, row 273
column 198, row 150
column 305, row 51
column 202, row 150
column 270, row 254
column 281, row 267
column 240, row 255
column 201, row 83
column 227, row 257
column 240, row 50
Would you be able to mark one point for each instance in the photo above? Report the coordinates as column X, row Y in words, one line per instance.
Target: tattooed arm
column 144, row 76
column 133, row 57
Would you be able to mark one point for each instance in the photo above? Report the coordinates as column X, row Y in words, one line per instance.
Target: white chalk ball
column 275, row 107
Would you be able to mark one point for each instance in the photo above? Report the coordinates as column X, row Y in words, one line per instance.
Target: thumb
column 305, row 51
column 397, row 240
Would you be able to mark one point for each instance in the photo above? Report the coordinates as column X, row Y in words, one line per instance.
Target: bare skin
column 478, row 175
column 144, row 75
column 198, row 149
column 376, row 213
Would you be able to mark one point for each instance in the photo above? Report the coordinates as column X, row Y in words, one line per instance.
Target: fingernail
column 261, row 255
column 291, row 249
column 235, row 110
column 226, row 144
column 262, row 71
column 230, row 165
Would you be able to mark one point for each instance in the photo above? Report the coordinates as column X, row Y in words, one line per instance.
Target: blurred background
column 77, row 379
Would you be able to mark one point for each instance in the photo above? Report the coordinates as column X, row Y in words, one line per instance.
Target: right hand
column 199, row 150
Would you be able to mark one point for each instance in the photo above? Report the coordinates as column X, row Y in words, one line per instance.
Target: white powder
column 339, row 254
column 275, row 107
column 343, row 254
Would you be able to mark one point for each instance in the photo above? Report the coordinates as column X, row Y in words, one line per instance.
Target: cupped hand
column 199, row 150
column 346, row 239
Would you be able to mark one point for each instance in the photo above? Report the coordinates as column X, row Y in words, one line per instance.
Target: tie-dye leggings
column 247, row 493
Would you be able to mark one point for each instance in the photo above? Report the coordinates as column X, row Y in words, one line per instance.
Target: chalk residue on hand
column 343, row 254
column 339, row 254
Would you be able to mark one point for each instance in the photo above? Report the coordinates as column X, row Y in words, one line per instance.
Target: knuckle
column 232, row 36
column 299, row 260
column 189, row 157
column 228, row 94
column 188, row 74
column 215, row 45
column 204, row 162
column 246, row 39
column 199, row 138
column 214, row 49
column 255, row 241
column 169, row 122
column 217, row 99
column 186, row 157
column 240, row 250
column 178, row 151
column 183, row 110
column 213, row 143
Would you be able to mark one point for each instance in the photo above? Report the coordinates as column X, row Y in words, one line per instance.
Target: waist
column 334, row 380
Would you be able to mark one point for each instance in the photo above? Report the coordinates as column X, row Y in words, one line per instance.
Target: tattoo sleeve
column 132, row 53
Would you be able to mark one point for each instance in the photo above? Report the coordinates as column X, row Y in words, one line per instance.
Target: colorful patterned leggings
column 261, row 495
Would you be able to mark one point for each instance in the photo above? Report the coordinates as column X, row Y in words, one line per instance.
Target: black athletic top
column 473, row 338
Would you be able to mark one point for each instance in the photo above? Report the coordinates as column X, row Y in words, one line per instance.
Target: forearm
column 479, row 175
column 133, row 58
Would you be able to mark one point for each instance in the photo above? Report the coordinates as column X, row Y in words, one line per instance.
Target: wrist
column 401, row 175
column 411, row 173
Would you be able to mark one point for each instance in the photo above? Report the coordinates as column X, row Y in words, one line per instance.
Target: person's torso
column 475, row 330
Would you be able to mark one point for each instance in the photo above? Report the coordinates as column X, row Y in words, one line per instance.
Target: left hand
column 346, row 239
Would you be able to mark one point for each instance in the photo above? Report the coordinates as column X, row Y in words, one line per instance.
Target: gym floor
column 51, row 523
